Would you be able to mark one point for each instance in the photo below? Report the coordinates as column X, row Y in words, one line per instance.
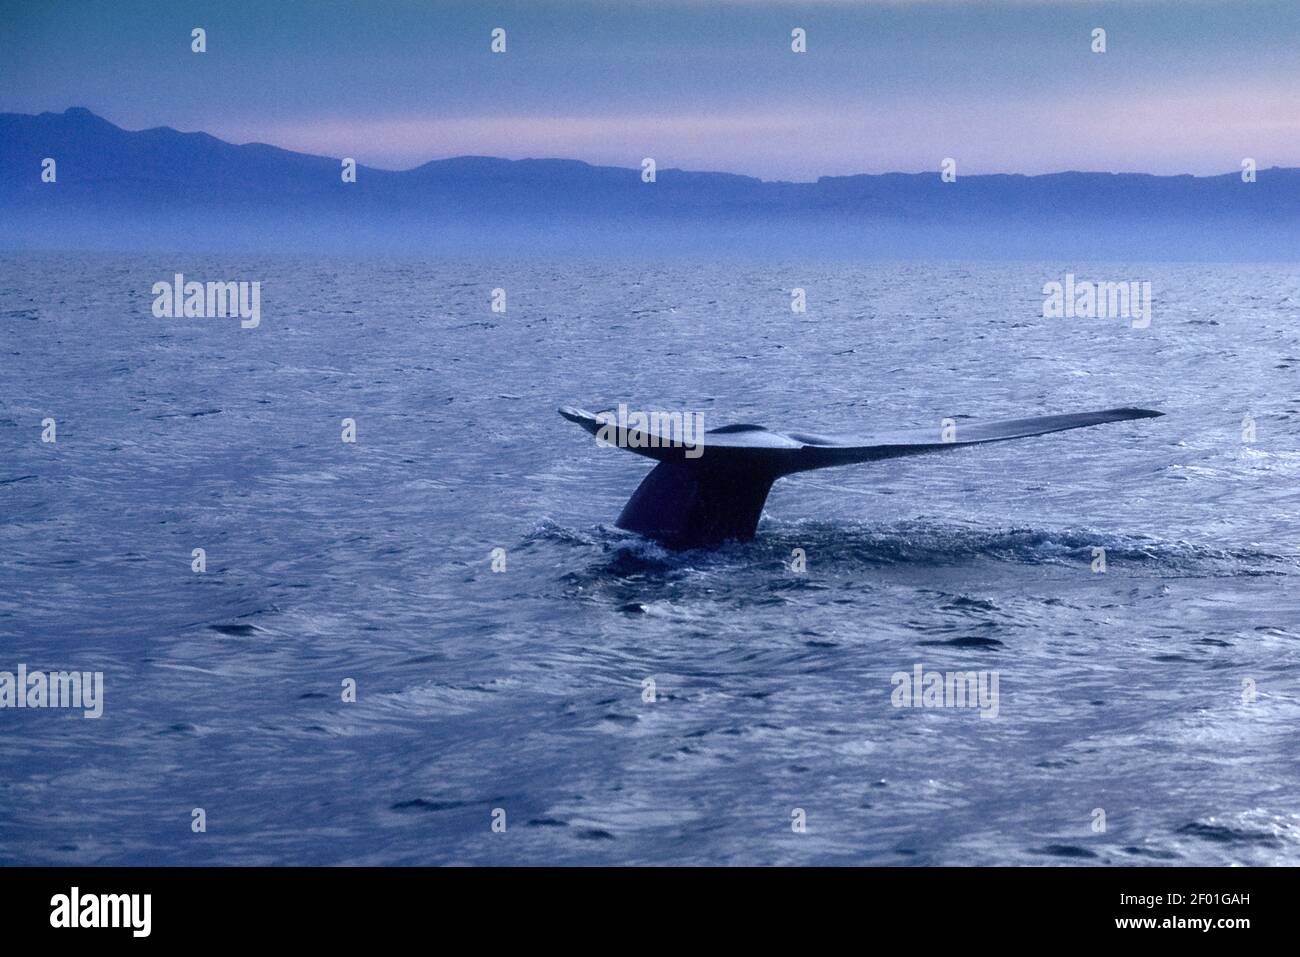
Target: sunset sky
column 1185, row 85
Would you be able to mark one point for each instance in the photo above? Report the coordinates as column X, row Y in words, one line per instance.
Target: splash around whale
column 713, row 491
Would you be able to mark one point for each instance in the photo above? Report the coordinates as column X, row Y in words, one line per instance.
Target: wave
column 916, row 544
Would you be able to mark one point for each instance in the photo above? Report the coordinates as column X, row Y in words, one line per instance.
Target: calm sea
column 1148, row 713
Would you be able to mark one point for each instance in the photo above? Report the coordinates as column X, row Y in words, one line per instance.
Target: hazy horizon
column 1005, row 87
column 631, row 165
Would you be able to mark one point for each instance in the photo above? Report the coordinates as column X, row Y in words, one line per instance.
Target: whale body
column 706, row 494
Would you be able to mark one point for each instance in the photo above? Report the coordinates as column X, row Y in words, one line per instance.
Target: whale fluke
column 708, row 493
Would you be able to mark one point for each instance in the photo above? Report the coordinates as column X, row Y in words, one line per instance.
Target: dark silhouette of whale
column 713, row 490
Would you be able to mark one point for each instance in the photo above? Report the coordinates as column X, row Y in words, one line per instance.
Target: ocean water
column 1163, row 693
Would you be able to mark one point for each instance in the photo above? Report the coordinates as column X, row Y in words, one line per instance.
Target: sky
column 1185, row 86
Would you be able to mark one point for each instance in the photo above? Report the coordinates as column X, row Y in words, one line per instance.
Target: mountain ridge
column 82, row 114
column 158, row 183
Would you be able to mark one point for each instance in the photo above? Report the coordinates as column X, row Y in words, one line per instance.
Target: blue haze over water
column 523, row 690
column 121, row 190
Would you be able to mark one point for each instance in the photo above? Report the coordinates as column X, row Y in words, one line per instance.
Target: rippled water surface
column 1127, row 691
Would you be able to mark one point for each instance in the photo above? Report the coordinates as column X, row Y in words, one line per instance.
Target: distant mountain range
column 162, row 189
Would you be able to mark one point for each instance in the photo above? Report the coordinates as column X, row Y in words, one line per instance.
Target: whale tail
column 713, row 490
column 687, row 506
